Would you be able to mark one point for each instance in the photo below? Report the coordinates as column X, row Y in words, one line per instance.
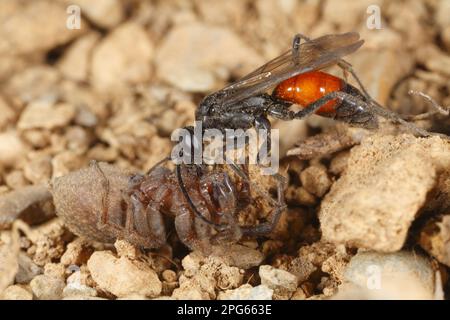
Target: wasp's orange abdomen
column 308, row 87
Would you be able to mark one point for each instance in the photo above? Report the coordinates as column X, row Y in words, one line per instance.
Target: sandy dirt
column 368, row 213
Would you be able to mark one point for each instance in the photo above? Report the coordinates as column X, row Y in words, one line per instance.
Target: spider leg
column 256, row 187
column 188, row 199
column 136, row 233
column 191, row 204
column 104, row 216
column 280, row 205
column 226, row 196
column 188, row 231
column 144, row 226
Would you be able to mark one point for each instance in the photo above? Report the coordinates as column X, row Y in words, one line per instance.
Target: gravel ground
column 368, row 212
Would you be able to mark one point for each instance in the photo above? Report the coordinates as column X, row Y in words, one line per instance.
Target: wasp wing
column 312, row 55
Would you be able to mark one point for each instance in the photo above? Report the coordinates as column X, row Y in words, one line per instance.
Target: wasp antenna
column 159, row 163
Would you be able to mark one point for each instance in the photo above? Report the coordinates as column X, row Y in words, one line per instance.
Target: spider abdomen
column 308, row 87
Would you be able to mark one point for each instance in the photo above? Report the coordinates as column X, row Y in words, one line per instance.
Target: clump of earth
column 368, row 213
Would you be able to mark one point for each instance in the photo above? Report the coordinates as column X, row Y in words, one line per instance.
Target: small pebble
column 47, row 288
column 280, row 281
column 16, row 292
column 123, row 277
column 247, row 292
column 46, row 115
column 315, row 180
column 401, row 275
column 169, row 275
column 27, row 269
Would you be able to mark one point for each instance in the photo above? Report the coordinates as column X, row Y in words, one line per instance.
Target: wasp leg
column 267, row 227
column 353, row 110
column 437, row 109
column 296, row 44
column 262, row 123
column 378, row 108
column 279, row 111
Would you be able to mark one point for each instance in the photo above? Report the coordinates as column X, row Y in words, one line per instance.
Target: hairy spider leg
column 267, row 227
column 218, row 226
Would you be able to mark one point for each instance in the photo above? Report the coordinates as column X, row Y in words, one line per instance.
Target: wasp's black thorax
column 214, row 112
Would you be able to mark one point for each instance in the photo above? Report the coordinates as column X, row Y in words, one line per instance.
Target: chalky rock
column 435, row 239
column 16, row 292
column 114, row 65
column 401, row 275
column 104, row 13
column 123, row 277
column 385, row 184
column 33, row 26
column 247, row 292
column 47, row 288
column 197, row 57
column 283, row 283
column 46, row 115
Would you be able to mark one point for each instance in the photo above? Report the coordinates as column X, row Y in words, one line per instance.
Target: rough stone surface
column 75, row 64
column 12, row 148
column 282, row 282
column 45, row 115
column 27, row 269
column 387, row 180
column 315, row 180
column 239, row 256
column 20, row 33
column 205, row 276
column 435, row 239
column 247, row 292
column 104, row 13
column 401, row 275
column 123, row 277
column 47, row 288
column 26, row 203
column 222, row 49
column 77, row 253
column 114, row 64
column 16, row 292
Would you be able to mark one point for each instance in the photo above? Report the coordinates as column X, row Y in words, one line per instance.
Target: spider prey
column 104, row 203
